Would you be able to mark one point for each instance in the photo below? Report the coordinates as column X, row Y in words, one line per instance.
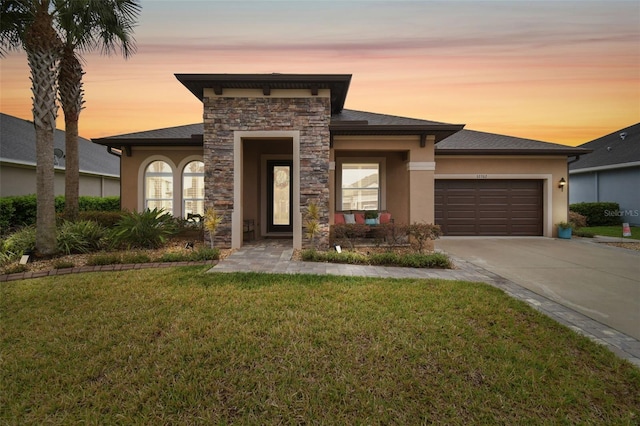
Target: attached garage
column 491, row 207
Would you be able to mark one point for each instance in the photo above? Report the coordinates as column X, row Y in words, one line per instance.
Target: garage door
column 489, row 207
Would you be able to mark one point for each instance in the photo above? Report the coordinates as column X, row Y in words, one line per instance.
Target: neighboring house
column 99, row 170
column 271, row 144
column 610, row 173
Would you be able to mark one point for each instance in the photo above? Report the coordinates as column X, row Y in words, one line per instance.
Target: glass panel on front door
column 281, row 190
column 279, row 196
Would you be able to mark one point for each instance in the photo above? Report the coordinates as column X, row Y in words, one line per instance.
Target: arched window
column 158, row 186
column 193, row 188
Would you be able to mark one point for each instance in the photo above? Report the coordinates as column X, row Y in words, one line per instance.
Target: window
column 360, row 187
column 158, row 186
column 193, row 188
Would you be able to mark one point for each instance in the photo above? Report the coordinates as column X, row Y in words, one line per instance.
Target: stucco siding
column 22, row 181
column 618, row 185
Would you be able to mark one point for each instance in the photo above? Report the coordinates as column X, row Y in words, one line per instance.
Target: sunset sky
column 558, row 71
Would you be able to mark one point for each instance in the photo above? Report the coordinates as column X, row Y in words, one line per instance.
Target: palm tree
column 87, row 25
column 28, row 24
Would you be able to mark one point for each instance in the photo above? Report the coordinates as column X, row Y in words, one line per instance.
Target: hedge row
column 598, row 214
column 20, row 210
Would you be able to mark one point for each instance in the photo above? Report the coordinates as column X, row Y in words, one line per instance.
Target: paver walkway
column 274, row 256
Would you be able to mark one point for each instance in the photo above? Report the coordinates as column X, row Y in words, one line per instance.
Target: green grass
column 178, row 346
column 613, row 231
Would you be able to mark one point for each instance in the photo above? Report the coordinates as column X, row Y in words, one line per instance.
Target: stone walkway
column 274, row 256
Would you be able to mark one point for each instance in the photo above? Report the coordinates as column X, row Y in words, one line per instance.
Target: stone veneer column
column 225, row 115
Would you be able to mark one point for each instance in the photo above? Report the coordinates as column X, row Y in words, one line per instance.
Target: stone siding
column 310, row 116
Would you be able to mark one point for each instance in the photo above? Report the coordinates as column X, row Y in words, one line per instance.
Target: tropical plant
column 86, row 25
column 211, row 222
column 80, row 237
column 312, row 224
column 29, row 25
column 21, row 241
column 148, row 229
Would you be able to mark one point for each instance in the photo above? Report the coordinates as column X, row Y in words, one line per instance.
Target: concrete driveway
column 600, row 281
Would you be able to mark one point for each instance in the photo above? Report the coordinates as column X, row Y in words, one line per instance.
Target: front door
column 279, row 195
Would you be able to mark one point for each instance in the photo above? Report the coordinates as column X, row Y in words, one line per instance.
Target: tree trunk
column 43, row 51
column 71, row 93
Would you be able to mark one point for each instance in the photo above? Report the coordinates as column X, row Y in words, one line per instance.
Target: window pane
column 158, row 186
column 281, row 187
column 360, row 199
column 360, row 175
column 193, row 188
column 360, row 186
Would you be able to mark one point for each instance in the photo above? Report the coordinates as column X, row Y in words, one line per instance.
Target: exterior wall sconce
column 562, row 184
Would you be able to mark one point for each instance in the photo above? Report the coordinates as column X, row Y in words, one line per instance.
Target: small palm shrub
column 148, row 229
column 80, row 237
column 211, row 222
column 21, row 241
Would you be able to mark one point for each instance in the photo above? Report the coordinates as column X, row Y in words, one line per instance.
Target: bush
column 20, row 210
column 599, row 214
column 346, row 233
column 411, row 260
column 63, row 264
column 108, row 219
column 79, row 237
column 7, row 211
column 149, row 229
column 21, row 241
column 421, row 233
column 104, row 259
column 577, row 220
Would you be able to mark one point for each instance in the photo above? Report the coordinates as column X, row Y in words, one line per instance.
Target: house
column 610, row 173
column 272, row 144
column 99, row 171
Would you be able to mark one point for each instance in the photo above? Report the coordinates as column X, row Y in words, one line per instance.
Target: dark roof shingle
column 17, row 145
column 612, row 149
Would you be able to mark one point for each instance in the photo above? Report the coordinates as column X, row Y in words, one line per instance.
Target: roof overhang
column 125, row 144
column 338, row 84
column 561, row 152
column 440, row 131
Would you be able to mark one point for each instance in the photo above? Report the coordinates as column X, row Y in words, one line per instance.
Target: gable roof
column 466, row 142
column 611, row 150
column 17, row 146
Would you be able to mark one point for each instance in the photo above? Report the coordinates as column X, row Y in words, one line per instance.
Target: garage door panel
column 489, row 207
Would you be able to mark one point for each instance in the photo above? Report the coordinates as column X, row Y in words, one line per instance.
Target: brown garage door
column 489, row 207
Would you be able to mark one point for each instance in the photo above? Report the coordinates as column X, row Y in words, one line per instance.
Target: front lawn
column 180, row 346
column 612, row 231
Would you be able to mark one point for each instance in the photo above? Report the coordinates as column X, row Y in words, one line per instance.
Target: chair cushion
column 359, row 217
column 338, row 218
column 384, row 217
column 349, row 218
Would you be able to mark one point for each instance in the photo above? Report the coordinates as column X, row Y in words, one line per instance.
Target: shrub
column 148, row 229
column 62, row 264
column 421, row 233
column 599, row 214
column 20, row 210
column 79, row 237
column 21, row 241
column 584, row 234
column 7, row 211
column 16, row 269
column 577, row 220
column 135, row 257
column 346, row 233
column 103, row 259
column 108, row 219
column 205, row 253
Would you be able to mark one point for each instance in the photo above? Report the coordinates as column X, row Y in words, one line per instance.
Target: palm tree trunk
column 43, row 49
column 71, row 92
